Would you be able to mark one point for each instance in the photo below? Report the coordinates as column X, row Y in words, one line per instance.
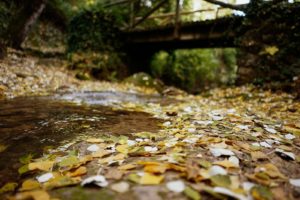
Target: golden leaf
column 150, row 179
column 43, row 165
column 30, row 184
column 35, row 195
column 77, row 172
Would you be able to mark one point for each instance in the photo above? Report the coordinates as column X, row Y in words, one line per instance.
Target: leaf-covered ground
column 241, row 143
column 237, row 142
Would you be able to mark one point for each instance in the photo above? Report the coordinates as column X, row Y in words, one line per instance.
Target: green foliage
column 94, row 43
column 194, row 69
column 95, row 30
column 270, row 42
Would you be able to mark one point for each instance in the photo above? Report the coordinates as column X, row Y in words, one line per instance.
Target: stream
column 28, row 125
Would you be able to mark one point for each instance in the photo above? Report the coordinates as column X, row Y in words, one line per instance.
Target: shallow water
column 29, row 124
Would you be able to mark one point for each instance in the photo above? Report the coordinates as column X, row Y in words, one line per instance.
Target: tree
column 20, row 26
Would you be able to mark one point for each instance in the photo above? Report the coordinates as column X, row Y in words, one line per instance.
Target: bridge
column 142, row 43
column 178, row 34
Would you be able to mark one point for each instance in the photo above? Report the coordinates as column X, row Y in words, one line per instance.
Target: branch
column 228, row 5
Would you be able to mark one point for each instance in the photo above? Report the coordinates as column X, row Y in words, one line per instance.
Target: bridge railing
column 167, row 18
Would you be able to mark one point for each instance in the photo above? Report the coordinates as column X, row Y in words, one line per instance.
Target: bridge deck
column 203, row 34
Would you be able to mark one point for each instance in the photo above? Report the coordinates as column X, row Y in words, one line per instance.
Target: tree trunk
column 2, row 50
column 24, row 21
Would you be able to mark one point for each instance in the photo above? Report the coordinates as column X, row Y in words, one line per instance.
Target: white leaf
column 97, row 180
column 295, row 182
column 269, row 129
column 265, row 144
column 289, row 136
column 45, row 177
column 243, row 127
column 221, row 152
column 150, row 149
column 191, row 130
column 167, row 123
column 120, row 187
column 204, row 122
column 247, row 186
column 234, row 160
column 93, row 148
column 289, row 154
column 216, row 118
column 131, row 142
column 176, row 186
column 227, row 192
column 214, row 170
column 190, row 140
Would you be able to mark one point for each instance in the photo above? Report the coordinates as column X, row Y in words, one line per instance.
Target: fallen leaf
column 215, row 170
column 30, row 184
column 271, row 170
column 150, row 179
column 114, row 173
column 101, row 153
column 93, row 148
column 285, row 155
column 8, row 187
column 176, row 186
column 96, row 180
column 69, row 161
column 230, row 193
column 127, row 167
column 259, row 192
column 45, row 177
column 221, row 152
column 258, row 155
column 94, row 140
column 122, row 148
column 35, row 195
column 61, row 181
column 43, row 165
column 77, row 172
column 191, row 193
column 3, row 147
column 120, row 187
column 221, row 180
column 295, row 182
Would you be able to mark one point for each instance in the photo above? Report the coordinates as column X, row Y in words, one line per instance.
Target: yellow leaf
column 77, row 172
column 226, row 163
column 122, row 148
column 272, row 50
column 150, row 179
column 127, row 167
column 43, row 165
column 35, row 195
column 271, row 170
column 8, row 187
column 3, row 147
column 100, row 153
column 258, row 155
column 161, row 168
column 94, row 140
column 62, row 181
column 294, row 130
column 30, row 184
column 69, row 161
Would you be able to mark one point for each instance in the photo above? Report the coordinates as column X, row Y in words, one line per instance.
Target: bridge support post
column 139, row 60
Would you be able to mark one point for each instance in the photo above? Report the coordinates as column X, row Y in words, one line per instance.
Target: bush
column 192, row 70
column 94, row 44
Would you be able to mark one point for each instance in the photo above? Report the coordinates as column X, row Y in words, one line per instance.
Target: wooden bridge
column 177, row 34
column 204, row 34
column 142, row 43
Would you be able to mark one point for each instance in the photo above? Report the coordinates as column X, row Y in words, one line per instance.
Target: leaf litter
column 229, row 144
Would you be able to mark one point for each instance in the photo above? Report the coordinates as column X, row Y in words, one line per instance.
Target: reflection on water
column 29, row 124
